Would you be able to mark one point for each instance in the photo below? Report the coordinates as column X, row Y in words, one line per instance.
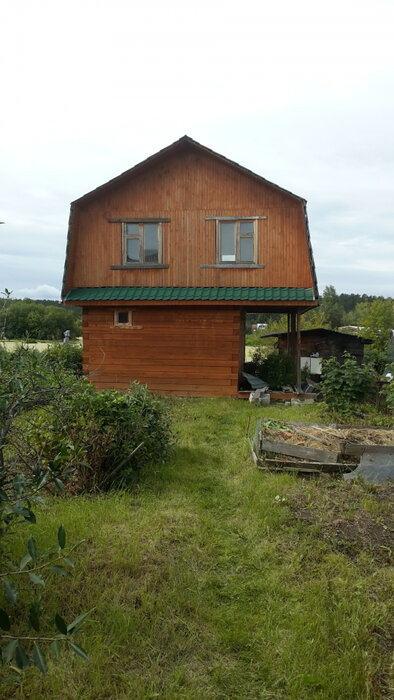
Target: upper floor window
column 141, row 243
column 237, row 241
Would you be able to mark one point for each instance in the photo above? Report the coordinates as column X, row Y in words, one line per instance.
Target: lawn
column 213, row 580
column 40, row 345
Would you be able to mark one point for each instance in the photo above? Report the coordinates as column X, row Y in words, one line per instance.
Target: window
column 141, row 243
column 236, row 241
column 123, row 318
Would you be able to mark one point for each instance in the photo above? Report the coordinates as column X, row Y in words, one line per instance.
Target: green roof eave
column 192, row 294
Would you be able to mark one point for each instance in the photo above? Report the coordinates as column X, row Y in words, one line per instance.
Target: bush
column 346, row 385
column 111, row 434
column 27, row 386
column 276, row 370
column 387, row 391
column 65, row 356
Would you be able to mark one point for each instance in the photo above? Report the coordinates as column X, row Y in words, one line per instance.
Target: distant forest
column 39, row 319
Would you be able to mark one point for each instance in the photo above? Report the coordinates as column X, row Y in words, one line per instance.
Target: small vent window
column 123, row 317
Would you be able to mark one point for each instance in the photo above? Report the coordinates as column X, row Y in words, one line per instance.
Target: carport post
column 298, row 352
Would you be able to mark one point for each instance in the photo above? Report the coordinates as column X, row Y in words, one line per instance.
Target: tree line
column 38, row 319
column 334, row 310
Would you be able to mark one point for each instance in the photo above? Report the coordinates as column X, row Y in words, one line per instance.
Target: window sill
column 139, row 266
column 127, row 325
column 234, row 266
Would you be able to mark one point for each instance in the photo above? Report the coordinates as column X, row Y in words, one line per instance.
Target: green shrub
column 65, row 356
column 387, row 391
column 276, row 370
column 108, row 434
column 346, row 385
column 27, row 388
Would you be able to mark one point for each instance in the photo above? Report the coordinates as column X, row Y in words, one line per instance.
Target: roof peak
column 172, row 148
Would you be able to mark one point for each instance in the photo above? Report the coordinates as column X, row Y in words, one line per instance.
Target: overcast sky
column 301, row 93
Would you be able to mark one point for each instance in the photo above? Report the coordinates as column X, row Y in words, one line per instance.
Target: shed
column 324, row 343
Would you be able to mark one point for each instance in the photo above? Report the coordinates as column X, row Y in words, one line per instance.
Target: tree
column 21, row 318
column 376, row 321
column 313, row 319
column 332, row 307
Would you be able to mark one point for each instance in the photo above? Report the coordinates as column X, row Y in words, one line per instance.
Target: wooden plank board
column 328, row 467
column 304, row 470
column 309, row 453
column 358, row 449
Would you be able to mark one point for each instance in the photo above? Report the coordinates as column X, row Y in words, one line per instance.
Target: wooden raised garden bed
column 308, row 448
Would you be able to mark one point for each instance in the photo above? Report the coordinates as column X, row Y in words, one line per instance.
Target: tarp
column 374, row 467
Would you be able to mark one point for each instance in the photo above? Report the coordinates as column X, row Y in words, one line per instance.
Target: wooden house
column 167, row 258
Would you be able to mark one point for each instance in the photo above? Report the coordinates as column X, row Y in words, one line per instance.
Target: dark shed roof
column 323, row 333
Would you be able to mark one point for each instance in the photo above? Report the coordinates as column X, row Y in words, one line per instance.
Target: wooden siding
column 179, row 351
column 187, row 187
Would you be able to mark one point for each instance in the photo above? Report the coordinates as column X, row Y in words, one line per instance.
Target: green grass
column 204, row 585
column 40, row 345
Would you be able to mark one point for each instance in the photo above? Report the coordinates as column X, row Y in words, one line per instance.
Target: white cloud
column 42, row 291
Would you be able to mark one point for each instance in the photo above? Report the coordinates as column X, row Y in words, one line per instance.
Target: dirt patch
column 353, row 517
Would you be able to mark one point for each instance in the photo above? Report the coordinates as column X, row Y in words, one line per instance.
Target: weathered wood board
column 328, row 467
column 290, row 450
column 357, row 449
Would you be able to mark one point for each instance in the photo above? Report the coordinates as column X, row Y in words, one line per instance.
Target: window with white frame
column 141, row 243
column 236, row 241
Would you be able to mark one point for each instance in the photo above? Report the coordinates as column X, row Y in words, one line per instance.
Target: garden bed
column 313, row 448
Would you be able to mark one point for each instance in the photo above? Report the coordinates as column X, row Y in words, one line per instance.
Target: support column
column 298, row 352
column 293, row 339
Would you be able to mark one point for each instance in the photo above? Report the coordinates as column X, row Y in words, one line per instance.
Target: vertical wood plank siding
column 187, row 187
column 177, row 350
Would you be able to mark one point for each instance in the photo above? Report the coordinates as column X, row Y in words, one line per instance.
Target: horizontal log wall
column 186, row 188
column 179, row 351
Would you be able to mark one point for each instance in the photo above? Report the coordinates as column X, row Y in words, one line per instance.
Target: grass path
column 205, row 585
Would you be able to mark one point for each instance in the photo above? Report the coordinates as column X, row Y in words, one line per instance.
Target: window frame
column 129, row 313
column 140, row 236
column 237, row 240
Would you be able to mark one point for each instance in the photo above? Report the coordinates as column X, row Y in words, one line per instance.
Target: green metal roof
column 190, row 294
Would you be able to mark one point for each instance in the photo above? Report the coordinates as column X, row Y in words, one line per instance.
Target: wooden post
column 242, row 317
column 292, row 333
column 298, row 352
column 288, row 333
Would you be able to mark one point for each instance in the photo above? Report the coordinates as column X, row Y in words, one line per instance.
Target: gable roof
column 177, row 146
